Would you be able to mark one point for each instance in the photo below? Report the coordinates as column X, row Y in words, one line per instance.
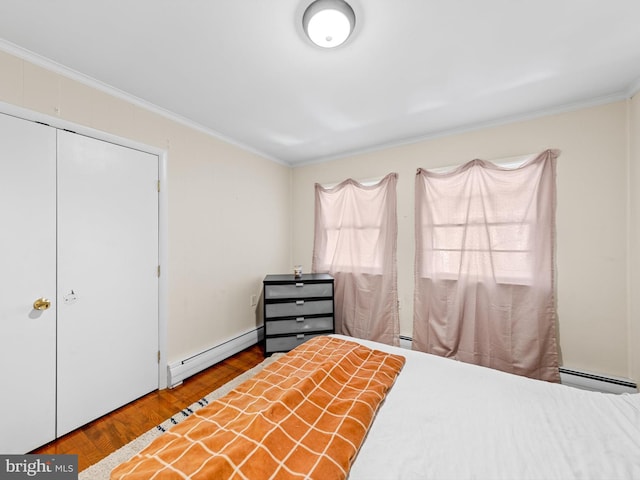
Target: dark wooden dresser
column 296, row 309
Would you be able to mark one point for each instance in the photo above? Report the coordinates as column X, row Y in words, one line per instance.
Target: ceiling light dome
column 328, row 23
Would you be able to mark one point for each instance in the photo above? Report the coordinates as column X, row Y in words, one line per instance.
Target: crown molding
column 594, row 102
column 60, row 69
column 633, row 88
column 55, row 67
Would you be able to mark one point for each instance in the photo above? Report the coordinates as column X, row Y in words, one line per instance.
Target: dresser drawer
column 298, row 290
column 298, row 325
column 299, row 308
column 282, row 344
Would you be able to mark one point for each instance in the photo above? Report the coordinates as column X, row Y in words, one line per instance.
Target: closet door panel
column 107, row 277
column 27, row 273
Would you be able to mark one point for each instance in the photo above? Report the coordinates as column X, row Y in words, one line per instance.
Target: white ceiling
column 243, row 70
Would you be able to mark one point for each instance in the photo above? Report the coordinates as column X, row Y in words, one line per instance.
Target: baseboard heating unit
column 178, row 371
column 405, row 342
column 595, row 382
column 576, row 378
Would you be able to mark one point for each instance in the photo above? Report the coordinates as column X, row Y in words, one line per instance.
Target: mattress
column 445, row 419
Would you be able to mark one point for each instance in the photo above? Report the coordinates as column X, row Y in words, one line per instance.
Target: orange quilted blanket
column 303, row 416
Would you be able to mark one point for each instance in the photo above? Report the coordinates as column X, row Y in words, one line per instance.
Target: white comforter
column 448, row 420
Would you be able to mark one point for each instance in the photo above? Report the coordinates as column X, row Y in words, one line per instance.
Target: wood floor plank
column 98, row 439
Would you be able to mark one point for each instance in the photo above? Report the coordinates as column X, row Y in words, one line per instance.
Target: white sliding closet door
column 107, row 277
column 27, row 273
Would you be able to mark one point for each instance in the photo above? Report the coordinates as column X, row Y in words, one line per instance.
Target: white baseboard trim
column 178, row 371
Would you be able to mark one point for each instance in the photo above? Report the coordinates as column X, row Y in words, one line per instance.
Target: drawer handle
column 300, row 336
column 299, row 302
column 299, row 284
column 299, row 319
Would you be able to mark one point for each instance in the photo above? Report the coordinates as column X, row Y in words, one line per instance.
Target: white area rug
column 102, row 469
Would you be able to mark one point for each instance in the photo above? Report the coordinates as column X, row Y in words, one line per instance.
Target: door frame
column 163, row 217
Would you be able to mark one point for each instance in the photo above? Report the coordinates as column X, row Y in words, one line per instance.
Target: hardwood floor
column 103, row 436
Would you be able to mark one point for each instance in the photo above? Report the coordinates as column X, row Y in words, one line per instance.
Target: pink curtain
column 485, row 266
column 355, row 241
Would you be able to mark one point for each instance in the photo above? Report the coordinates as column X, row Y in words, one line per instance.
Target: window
column 485, row 266
column 355, row 240
column 496, row 243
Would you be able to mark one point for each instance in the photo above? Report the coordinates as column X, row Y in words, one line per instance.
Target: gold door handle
column 41, row 304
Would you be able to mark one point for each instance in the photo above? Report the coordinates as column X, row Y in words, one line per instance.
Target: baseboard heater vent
column 405, row 342
column 595, row 382
column 178, row 371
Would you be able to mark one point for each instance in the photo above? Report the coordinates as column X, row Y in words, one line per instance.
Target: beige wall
column 634, row 237
column 592, row 218
column 228, row 210
column 222, row 240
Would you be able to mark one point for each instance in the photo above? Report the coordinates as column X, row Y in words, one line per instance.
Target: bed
column 436, row 418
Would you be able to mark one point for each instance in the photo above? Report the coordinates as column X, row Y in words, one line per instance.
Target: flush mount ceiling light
column 328, row 23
